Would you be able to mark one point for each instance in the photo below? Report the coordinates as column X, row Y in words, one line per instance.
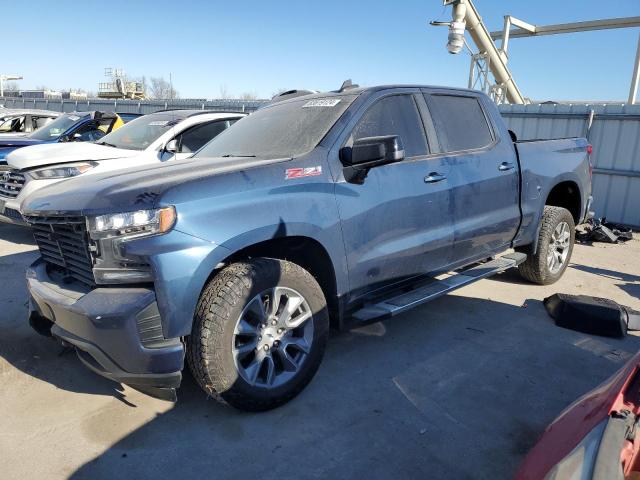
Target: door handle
column 434, row 177
column 505, row 166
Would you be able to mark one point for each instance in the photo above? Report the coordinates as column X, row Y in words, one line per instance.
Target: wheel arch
column 566, row 194
column 302, row 250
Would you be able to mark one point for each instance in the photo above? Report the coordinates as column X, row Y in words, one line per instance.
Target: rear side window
column 460, row 123
column 195, row 138
column 394, row 115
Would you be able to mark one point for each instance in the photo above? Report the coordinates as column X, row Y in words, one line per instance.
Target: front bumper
column 116, row 332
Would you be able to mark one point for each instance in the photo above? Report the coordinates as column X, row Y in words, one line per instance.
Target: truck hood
column 132, row 189
column 54, row 153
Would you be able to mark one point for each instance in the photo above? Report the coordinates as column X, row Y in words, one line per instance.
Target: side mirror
column 370, row 152
column 171, row 146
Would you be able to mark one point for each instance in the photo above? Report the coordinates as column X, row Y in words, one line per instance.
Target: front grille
column 64, row 244
column 11, row 183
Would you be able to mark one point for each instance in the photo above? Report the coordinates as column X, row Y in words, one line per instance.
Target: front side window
column 394, row 115
column 195, row 138
column 460, row 123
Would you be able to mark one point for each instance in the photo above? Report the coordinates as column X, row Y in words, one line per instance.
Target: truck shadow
column 400, row 397
column 16, row 234
column 604, row 272
column 35, row 355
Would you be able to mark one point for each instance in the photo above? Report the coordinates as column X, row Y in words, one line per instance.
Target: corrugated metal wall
column 131, row 106
column 614, row 132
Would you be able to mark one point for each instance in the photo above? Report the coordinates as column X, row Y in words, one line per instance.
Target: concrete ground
column 460, row 388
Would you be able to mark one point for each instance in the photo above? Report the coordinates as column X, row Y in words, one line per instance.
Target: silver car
column 23, row 121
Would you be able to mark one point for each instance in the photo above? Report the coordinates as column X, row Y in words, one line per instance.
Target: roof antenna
column 347, row 85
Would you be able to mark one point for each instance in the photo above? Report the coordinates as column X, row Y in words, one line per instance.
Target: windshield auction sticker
column 159, row 123
column 322, row 102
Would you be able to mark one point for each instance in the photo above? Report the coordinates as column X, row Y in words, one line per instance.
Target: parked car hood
column 135, row 188
column 12, row 135
column 17, row 141
column 54, row 153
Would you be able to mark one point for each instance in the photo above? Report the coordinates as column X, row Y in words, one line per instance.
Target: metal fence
column 131, row 106
column 614, row 132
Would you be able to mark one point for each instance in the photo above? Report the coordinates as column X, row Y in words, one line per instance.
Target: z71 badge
column 291, row 173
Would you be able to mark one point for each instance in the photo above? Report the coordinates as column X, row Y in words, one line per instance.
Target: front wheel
column 259, row 333
column 555, row 245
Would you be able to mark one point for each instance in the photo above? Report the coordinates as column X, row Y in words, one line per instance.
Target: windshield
column 283, row 130
column 138, row 134
column 56, row 128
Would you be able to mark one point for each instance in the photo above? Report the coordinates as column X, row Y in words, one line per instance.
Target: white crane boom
column 4, row 78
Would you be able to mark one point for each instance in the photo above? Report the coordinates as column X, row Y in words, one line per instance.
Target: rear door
column 483, row 179
column 395, row 225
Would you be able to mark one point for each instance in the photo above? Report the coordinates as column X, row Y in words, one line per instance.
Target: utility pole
column 4, row 78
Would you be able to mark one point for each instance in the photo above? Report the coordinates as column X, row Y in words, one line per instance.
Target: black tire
column 536, row 268
column 210, row 353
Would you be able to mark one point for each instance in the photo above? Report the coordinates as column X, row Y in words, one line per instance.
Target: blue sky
column 262, row 47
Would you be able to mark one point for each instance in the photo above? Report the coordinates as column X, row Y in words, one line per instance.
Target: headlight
column 141, row 222
column 63, row 171
column 112, row 233
column 580, row 461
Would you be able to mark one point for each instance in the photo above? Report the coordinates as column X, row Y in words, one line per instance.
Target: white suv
column 157, row 137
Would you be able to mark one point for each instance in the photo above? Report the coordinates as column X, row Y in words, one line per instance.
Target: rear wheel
column 555, row 245
column 259, row 333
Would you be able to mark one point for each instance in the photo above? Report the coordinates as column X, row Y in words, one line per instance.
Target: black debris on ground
column 599, row 230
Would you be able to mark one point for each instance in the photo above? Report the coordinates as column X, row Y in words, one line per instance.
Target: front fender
column 181, row 265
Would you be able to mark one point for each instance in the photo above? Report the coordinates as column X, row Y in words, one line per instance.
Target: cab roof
column 356, row 90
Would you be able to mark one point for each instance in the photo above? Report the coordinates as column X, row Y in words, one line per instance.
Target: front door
column 397, row 224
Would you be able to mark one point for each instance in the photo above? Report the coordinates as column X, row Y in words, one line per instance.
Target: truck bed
column 543, row 165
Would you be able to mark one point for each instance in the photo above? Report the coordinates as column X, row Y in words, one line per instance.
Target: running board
column 397, row 304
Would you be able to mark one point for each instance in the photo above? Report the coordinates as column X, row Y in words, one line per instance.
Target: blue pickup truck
column 336, row 208
column 70, row 127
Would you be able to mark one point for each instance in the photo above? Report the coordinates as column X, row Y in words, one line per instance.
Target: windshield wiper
column 239, row 156
column 107, row 144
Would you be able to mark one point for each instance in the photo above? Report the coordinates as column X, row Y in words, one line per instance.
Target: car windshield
column 283, row 130
column 57, row 127
column 138, row 134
